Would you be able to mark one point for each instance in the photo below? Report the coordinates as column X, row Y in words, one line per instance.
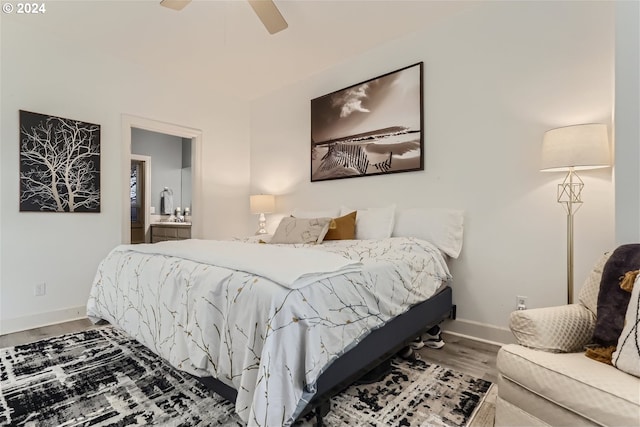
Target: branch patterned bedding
column 268, row 341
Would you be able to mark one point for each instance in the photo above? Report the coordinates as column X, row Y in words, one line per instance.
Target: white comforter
column 266, row 340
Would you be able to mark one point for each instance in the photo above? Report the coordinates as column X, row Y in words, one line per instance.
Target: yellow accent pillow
column 342, row 228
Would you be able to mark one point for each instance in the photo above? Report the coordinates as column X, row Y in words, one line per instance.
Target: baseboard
column 479, row 331
column 18, row 324
column 465, row 328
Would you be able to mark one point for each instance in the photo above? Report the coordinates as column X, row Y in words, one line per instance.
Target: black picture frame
column 370, row 128
column 59, row 164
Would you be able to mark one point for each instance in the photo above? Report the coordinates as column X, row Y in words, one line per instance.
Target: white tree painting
column 59, row 164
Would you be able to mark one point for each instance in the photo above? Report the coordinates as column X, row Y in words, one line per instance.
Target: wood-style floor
column 461, row 354
column 465, row 355
column 31, row 335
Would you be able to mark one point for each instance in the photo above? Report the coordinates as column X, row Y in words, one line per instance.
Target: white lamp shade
column 579, row 147
column 262, row 203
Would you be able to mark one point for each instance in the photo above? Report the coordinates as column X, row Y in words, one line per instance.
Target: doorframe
column 130, row 122
column 147, row 195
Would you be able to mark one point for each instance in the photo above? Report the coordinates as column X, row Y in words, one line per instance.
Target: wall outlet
column 152, row 210
column 40, row 289
column 521, row 302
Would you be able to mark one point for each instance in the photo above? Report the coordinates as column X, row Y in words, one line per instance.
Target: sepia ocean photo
column 371, row 128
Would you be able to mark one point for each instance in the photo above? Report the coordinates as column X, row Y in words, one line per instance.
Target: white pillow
column 441, row 227
column 372, row 223
column 626, row 357
column 327, row 213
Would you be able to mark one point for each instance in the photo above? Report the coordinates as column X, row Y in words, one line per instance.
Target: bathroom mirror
column 170, row 165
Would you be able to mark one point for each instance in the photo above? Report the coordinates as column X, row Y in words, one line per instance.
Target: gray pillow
column 301, row 230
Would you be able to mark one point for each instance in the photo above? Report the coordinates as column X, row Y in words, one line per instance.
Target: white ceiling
column 224, row 44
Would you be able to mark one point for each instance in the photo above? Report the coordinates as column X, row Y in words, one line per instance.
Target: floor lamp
column 568, row 149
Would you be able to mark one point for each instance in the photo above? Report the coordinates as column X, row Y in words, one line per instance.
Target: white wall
column 495, row 79
column 43, row 74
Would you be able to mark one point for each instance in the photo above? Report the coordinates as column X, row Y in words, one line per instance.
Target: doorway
column 139, row 184
column 132, row 122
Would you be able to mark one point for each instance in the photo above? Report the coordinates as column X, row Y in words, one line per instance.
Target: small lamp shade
column 262, row 203
column 579, row 147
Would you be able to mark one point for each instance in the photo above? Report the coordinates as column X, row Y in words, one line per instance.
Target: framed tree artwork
column 371, row 128
column 59, row 164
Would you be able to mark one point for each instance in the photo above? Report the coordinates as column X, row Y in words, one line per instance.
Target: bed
column 277, row 328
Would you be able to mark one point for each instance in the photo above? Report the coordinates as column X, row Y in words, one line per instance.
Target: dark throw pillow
column 612, row 302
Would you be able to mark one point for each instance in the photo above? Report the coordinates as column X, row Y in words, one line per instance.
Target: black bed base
column 380, row 345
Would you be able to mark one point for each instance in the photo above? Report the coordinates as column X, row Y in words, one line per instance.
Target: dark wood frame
column 380, row 345
column 369, row 128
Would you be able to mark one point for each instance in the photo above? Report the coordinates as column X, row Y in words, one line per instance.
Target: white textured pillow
column 372, row 223
column 326, row 213
column 301, row 230
column 626, row 357
column 588, row 295
column 441, row 227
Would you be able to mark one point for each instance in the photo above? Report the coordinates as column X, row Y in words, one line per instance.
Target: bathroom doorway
column 142, row 220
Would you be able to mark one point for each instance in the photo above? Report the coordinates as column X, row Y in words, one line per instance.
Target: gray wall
column 166, row 152
column 627, row 127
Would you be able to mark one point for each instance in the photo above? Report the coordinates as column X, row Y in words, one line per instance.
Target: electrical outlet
column 521, row 302
column 40, row 289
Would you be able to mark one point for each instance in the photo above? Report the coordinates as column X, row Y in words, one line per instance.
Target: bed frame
column 377, row 347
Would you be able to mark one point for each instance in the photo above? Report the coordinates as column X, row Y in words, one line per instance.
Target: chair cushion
column 593, row 390
column 560, row 329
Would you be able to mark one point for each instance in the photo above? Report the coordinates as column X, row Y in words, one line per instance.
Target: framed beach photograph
column 371, row 128
column 59, row 164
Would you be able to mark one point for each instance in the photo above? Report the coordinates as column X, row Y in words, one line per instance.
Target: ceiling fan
column 265, row 9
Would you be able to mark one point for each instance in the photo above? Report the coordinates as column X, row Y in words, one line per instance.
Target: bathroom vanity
column 161, row 231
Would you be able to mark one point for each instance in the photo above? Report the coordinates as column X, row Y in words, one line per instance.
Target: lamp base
column 569, row 195
column 262, row 224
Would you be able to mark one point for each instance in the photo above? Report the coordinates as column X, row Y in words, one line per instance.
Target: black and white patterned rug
column 102, row 377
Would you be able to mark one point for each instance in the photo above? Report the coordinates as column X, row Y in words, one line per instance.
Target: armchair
column 546, row 379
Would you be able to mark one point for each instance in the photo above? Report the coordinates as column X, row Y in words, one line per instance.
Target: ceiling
column 224, row 45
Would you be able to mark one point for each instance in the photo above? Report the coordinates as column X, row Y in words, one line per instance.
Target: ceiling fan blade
column 269, row 15
column 175, row 4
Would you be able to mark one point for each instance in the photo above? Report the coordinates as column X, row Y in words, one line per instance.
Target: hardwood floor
column 465, row 355
column 31, row 335
column 461, row 354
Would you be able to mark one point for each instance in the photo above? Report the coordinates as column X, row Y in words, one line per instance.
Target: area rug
column 102, row 377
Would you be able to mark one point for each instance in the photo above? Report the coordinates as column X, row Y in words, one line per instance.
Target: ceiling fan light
column 175, row 4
